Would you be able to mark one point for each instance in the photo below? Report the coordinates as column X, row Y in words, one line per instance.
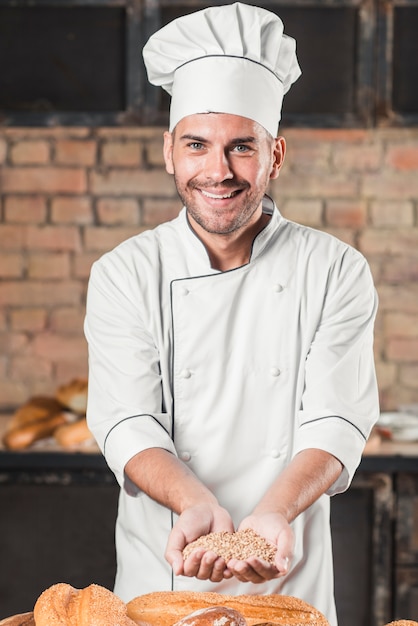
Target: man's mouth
column 219, row 196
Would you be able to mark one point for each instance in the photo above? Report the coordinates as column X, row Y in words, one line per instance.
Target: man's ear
column 279, row 152
column 168, row 152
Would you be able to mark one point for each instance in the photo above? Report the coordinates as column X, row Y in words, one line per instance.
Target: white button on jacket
column 240, row 375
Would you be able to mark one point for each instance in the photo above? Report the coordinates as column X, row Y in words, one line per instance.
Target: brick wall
column 69, row 194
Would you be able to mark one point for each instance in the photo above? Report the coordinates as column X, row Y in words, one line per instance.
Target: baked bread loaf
column 165, row 608
column 23, row 619
column 214, row 616
column 73, row 395
column 63, row 605
column 36, row 408
column 24, row 436
column 403, row 622
column 74, row 434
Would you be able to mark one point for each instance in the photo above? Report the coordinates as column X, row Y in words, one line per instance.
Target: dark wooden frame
column 373, row 85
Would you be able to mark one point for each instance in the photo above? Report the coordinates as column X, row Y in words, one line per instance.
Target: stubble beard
column 218, row 223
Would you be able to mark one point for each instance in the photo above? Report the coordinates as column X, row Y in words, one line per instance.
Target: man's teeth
column 217, row 196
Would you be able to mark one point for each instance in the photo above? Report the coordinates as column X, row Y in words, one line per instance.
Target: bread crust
column 403, row 622
column 63, row 605
column 73, row 395
column 22, row 619
column 73, row 434
column 213, row 616
column 24, row 436
column 165, row 608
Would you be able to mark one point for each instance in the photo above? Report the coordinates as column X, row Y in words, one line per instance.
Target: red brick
column 49, row 265
column 386, row 241
column 58, row 347
column 30, row 368
column 11, row 265
column 67, row 320
column 158, row 211
column 82, row 263
column 119, row 153
column 290, row 185
column 138, row 132
column 67, row 370
column 386, row 374
column 132, row 182
column 308, row 158
column 409, row 376
column 401, row 325
column 399, row 270
column 12, row 237
column 118, row 211
column 25, row 209
column 40, row 294
column 61, row 238
column 28, row 319
column 350, row 213
column 72, row 210
column 392, row 213
column 398, row 298
column 30, row 152
column 51, row 132
column 403, row 157
column 12, row 394
column 12, row 342
column 402, row 350
column 402, row 186
column 43, row 180
column 74, row 152
column 154, row 152
column 325, row 135
column 103, row 239
column 308, row 212
column 358, row 157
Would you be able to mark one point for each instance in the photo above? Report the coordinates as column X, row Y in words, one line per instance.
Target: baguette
column 24, row 436
column 165, row 608
column 73, row 434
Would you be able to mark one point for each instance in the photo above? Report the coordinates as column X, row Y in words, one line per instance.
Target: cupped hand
column 194, row 522
column 277, row 531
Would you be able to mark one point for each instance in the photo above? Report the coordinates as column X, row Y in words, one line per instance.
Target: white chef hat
column 224, row 59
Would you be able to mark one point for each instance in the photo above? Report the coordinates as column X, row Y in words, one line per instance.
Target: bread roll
column 36, row 408
column 214, row 616
column 165, row 608
column 73, row 395
column 74, row 434
column 63, row 605
column 23, row 619
column 24, row 436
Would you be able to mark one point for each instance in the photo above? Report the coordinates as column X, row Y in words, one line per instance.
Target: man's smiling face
column 222, row 164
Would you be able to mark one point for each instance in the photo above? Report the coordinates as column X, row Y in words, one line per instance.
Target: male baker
column 231, row 380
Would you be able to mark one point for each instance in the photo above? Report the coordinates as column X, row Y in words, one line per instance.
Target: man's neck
column 233, row 250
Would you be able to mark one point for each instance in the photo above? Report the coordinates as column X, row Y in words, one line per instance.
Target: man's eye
column 195, row 145
column 241, row 148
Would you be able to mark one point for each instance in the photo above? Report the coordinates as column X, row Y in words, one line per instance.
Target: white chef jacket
column 234, row 372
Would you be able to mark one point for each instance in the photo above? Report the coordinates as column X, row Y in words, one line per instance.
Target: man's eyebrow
column 235, row 141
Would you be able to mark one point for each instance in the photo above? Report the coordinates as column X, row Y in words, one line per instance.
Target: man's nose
column 218, row 167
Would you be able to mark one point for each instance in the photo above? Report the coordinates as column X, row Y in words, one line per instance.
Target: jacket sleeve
column 340, row 399
column 125, row 405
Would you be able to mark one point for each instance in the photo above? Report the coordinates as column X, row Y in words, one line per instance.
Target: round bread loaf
column 214, row 616
column 165, row 608
column 74, row 434
column 63, row 605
